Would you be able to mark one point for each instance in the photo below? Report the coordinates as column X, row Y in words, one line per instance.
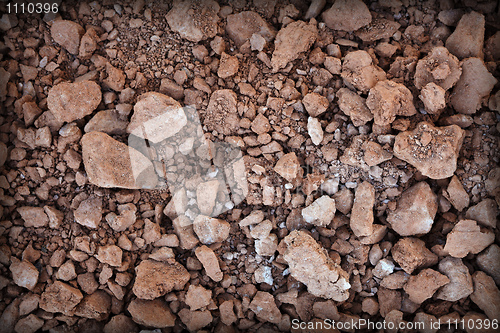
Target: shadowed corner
column 205, row 178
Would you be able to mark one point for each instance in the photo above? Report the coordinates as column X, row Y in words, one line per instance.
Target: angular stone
column 183, row 228
column 474, row 85
column 359, row 72
column 291, row 41
column 456, row 195
column 110, row 163
column 195, row 320
column 193, row 20
column 222, row 113
column 432, row 150
column 33, row 216
column 227, row 315
column 266, row 246
column 126, row 218
column 374, row 154
column 347, row 15
column 89, row 212
column 24, row 273
column 264, row 307
column 314, row 130
column 468, row 38
column 433, row 97
column 288, row 167
column 489, row 262
column 362, row 210
column 484, row 213
column 66, row 272
column 320, row 212
column 154, row 279
column 486, row 295
column 110, row 254
column 107, row 121
column 411, row 254
column 354, row 106
column 415, row 212
column 211, row 230
column 60, row 297
column 460, row 285
column 120, row 323
column 241, row 26
column 29, row 324
column 154, row 313
column 315, row 104
column 72, row 101
column 395, row 280
column 379, row 28
column 95, row 306
column 439, row 67
column 228, row 66
column 318, row 272
column 467, row 237
column 422, row 286
column 67, row 34
column 206, row 194
column 388, row 99
column 198, row 297
column 209, row 261
column 156, row 117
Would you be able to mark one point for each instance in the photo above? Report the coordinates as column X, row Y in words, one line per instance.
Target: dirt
column 241, row 166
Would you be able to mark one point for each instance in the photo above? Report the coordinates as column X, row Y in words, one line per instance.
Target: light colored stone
column 486, row 295
column 359, row 72
column 89, row 212
column 456, row 194
column 315, row 104
column 361, row 221
column 354, row 106
column 467, row 237
column 460, row 285
column 432, row 150
column 211, row 230
column 198, row 297
column 33, row 216
column 24, row 274
column 422, row 286
column 288, row 167
column 126, row 218
column 468, row 38
column 209, row 261
column 314, row 130
column 439, row 67
column 319, row 273
column 320, row 212
column 206, row 194
column 433, row 97
column 67, row 34
column 265, row 308
column 110, row 254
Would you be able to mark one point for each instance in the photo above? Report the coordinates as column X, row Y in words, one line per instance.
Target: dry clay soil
column 368, row 185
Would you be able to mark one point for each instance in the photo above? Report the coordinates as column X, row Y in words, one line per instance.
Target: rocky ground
column 344, row 165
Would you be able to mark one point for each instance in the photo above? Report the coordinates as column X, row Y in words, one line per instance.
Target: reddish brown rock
column 486, row 295
column 358, row 13
column 241, row 26
column 460, row 285
column 89, row 212
column 467, row 237
column 291, row 41
column 228, row 66
column 319, row 273
column 119, row 324
column 415, row 212
column 475, row 84
column 154, row 279
column 195, row 320
column 67, row 34
column 468, row 38
column 315, row 104
column 95, row 306
column 422, row 286
column 354, row 106
column 110, row 254
column 484, row 213
column 388, row 99
column 489, row 262
column 33, row 216
column 456, row 194
column 211, row 230
column 439, row 67
column 198, row 297
column 110, row 163
column 71, row 101
column 288, row 167
column 359, row 72
column 433, row 97
column 411, row 253
column 193, row 20
column 209, row 261
column 362, row 210
column 265, row 308
column 24, row 274
column 154, row 313
column 432, row 150
column 60, row 297
column 222, row 114
column 320, row 212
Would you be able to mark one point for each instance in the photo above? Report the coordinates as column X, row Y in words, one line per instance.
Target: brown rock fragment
column 198, row 297
column 411, row 253
column 468, row 38
column 33, row 216
column 95, row 306
column 60, row 297
column 486, row 295
column 354, row 106
column 388, row 99
column 110, row 254
column 24, row 274
column 222, row 114
column 415, row 212
column 193, row 20
column 89, row 212
column 195, row 320
column 422, row 286
column 319, row 273
column 433, row 97
column 228, row 66
column 460, row 285
column 67, row 34
column 362, row 210
column 241, row 26
column 489, row 262
column 227, row 313
column 358, row 13
column 183, row 228
column 119, row 324
column 210, row 230
column 359, row 72
column 71, row 101
column 110, row 163
column 265, row 308
column 374, row 154
column 115, row 79
column 154, row 279
column 467, row 237
column 154, row 313
column 439, row 67
column 295, row 38
column 315, row 104
column 288, row 167
column 484, row 213
column 320, row 212
column 456, row 194
column 388, row 300
column 209, row 261
column 432, row 150
column 475, row 84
